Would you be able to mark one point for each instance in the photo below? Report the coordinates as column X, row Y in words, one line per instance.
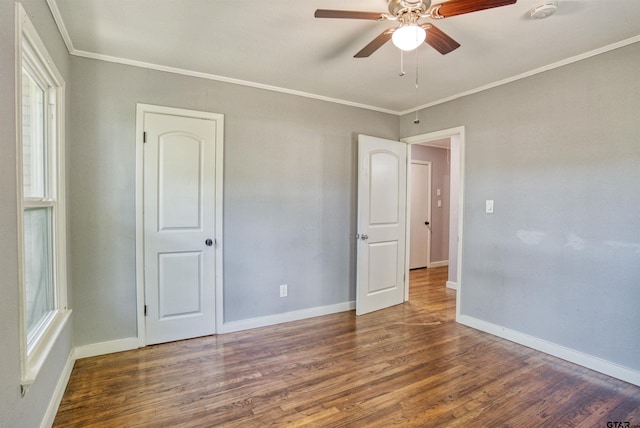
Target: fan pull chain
column 416, row 120
column 401, row 63
column 416, row 74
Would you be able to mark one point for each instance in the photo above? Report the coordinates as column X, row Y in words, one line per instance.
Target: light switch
column 438, row 192
column 489, row 206
column 439, row 203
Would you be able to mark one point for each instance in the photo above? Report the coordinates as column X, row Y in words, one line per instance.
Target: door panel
column 383, row 257
column 384, row 189
column 420, row 235
column 381, row 223
column 180, row 284
column 179, row 217
column 180, row 181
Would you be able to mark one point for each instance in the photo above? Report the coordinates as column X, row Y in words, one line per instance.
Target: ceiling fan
column 411, row 33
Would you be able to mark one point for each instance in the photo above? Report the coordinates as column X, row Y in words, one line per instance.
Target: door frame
column 141, row 109
column 457, row 134
column 428, row 164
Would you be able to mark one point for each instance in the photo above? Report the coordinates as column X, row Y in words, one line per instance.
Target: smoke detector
column 544, row 9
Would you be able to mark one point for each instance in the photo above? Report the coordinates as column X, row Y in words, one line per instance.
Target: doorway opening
column 451, row 143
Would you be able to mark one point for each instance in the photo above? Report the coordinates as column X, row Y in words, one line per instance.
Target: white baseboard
column 589, row 361
column 452, row 285
column 56, row 398
column 439, row 264
column 247, row 324
column 109, row 347
column 129, row 343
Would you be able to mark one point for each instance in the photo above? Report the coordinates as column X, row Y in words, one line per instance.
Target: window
column 41, row 199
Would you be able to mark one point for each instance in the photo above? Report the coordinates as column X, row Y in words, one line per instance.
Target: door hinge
column 144, row 137
column 145, row 310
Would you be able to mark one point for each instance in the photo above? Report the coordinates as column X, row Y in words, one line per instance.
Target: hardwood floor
column 410, row 365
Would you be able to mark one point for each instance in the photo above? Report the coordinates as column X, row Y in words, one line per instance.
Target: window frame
column 32, row 55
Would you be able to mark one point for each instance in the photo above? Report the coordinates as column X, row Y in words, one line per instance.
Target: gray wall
column 439, row 180
column 559, row 152
column 14, row 410
column 289, row 201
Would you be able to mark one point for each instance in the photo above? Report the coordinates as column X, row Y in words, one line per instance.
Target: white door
column 420, row 215
column 179, row 227
column 382, row 185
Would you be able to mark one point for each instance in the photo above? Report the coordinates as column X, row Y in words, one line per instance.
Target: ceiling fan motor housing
column 398, row 6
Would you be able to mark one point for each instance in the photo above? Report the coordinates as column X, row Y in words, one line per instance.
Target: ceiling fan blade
column 439, row 40
column 375, row 44
column 459, row 7
column 348, row 14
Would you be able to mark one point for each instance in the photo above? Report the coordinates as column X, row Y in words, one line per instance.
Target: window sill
column 36, row 359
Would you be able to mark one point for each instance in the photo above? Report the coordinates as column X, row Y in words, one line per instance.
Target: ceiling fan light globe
column 408, row 37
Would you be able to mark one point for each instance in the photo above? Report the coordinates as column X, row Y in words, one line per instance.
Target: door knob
column 208, row 242
column 364, row 237
column 427, row 223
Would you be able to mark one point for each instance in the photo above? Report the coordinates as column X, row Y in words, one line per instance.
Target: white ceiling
column 278, row 43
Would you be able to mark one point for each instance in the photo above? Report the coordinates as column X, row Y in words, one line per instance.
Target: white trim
column 38, row 355
column 459, row 134
column 31, row 50
column 130, row 343
column 461, row 138
column 224, row 79
column 18, row 48
column 219, row 120
column 102, row 348
column 407, row 229
column 58, row 393
column 57, row 16
column 439, row 264
column 452, row 285
column 268, row 320
column 61, row 199
column 234, row 81
column 73, row 51
column 438, row 144
column 529, row 73
column 231, row 80
column 423, row 139
column 142, row 339
column 585, row 360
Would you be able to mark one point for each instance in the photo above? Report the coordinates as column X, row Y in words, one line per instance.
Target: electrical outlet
column 283, row 290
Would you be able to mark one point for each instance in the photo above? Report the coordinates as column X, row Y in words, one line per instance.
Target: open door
column 382, row 187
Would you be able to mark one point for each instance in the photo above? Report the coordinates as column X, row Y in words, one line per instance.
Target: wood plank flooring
column 410, row 365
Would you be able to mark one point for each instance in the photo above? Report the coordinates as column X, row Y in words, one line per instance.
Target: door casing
column 457, row 134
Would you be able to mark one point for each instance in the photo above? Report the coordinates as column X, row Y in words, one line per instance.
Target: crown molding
column 530, row 73
column 73, row 51
column 57, row 17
